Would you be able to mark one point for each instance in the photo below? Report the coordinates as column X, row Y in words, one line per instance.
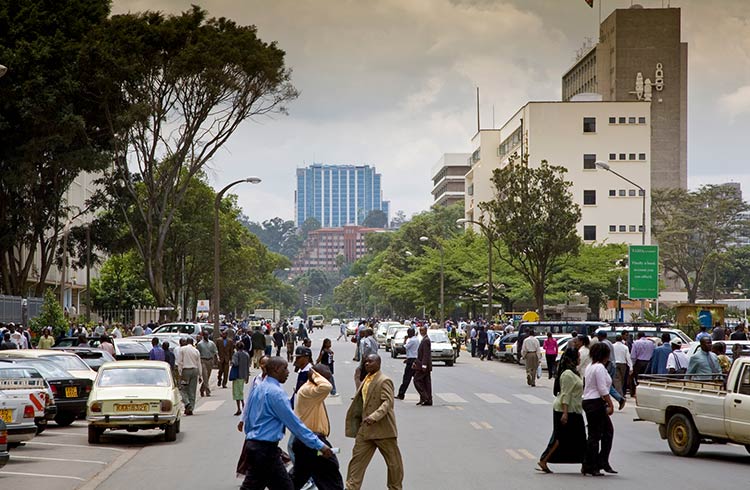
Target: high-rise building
column 448, row 178
column 640, row 56
column 327, row 249
column 338, row 195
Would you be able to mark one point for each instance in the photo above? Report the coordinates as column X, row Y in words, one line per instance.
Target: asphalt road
column 486, row 430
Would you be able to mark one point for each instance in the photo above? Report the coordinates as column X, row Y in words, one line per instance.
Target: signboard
column 204, row 306
column 643, row 274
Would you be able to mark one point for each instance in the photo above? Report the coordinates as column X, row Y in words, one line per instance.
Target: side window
column 744, row 388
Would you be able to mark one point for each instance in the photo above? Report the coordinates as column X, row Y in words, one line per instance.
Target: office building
column 327, row 249
column 338, row 195
column 641, row 57
column 448, row 178
column 576, row 135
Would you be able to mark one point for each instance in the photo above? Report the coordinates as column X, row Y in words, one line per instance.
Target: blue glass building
column 337, row 195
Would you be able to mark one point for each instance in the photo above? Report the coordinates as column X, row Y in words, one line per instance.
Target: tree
column 399, row 219
column 278, row 235
column 120, row 285
column 376, row 219
column 694, row 228
column 51, row 316
column 310, row 224
column 177, row 87
column 534, row 215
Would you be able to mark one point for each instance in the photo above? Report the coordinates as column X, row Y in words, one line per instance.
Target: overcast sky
column 391, row 83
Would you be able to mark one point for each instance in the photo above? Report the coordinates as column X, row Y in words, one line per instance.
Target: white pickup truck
column 690, row 411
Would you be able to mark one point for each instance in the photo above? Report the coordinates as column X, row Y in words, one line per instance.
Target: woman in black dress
column 326, row 357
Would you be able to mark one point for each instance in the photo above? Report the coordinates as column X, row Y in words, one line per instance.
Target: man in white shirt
column 677, row 360
column 623, row 365
column 531, row 352
column 189, row 367
column 116, row 333
column 412, row 346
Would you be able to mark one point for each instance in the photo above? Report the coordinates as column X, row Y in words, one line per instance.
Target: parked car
column 442, row 349
column 18, row 415
column 190, row 328
column 173, row 339
column 134, row 395
column 90, row 355
column 652, row 333
column 27, row 383
column 4, row 454
column 505, row 347
column 381, row 330
column 67, row 361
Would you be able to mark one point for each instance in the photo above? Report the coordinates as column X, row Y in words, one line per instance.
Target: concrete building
column 338, row 195
column 640, row 56
column 327, row 249
column 448, row 178
column 575, row 135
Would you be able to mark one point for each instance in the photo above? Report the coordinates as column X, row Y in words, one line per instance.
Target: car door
column 737, row 408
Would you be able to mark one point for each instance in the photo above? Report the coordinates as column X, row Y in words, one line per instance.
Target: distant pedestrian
column 658, row 364
column 278, row 341
column 718, row 333
column 302, row 366
column 269, row 342
column 739, row 333
column 643, row 351
column 367, row 345
column 623, row 365
column 157, row 353
column 411, row 346
column 226, row 352
column 46, row 341
column 371, row 421
column 473, row 339
column 678, row 361
column 482, row 343
column 584, row 359
column 342, row 332
column 189, row 367
column 105, row 344
column 597, row 403
column 702, row 332
column 239, row 375
column 550, row 353
column 531, row 352
column 259, row 346
column 423, row 369
column 290, row 341
column 209, row 355
column 720, row 349
column 7, row 344
column 326, row 358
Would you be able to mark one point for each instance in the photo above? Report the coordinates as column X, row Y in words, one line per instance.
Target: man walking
column 482, row 343
column 739, row 333
column 643, row 351
column 157, row 353
column 367, row 345
column 423, row 369
column 226, row 350
column 658, row 364
column 704, row 362
column 302, row 366
column 531, row 352
column 209, row 354
column 623, row 365
column 189, row 367
column 259, row 346
column 278, row 341
column 473, row 337
column 411, row 345
column 290, row 339
column 264, row 422
column 371, row 421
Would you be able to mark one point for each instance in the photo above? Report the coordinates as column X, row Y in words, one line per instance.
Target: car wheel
column 393, row 354
column 95, row 434
column 64, row 419
column 170, row 433
column 682, row 436
column 40, row 426
column 449, row 363
column 177, row 429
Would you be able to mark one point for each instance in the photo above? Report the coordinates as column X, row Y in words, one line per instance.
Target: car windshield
column 68, row 362
column 18, row 373
column 437, row 336
column 131, row 348
column 392, row 329
column 400, row 335
column 48, row 369
column 133, row 376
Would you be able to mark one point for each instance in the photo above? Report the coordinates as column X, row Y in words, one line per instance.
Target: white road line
column 451, row 398
column 486, row 425
column 491, row 398
column 210, row 406
column 42, row 475
column 514, row 455
column 527, row 454
column 534, row 400
column 87, row 461
column 476, row 425
column 73, row 445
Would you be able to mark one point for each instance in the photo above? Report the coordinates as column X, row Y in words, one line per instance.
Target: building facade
column 576, row 135
column 448, row 178
column 338, row 195
column 640, row 56
column 327, row 249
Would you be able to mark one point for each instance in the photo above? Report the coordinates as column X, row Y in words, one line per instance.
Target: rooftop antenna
column 478, row 126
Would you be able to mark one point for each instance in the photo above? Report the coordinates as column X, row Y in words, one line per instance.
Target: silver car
column 442, row 349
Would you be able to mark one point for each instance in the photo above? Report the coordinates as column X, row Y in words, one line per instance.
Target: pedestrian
column 678, row 361
column 169, row 358
column 239, row 375
column 482, row 343
column 269, row 342
column 209, row 354
column 584, row 359
column 278, row 341
column 105, row 344
column 189, row 367
column 610, row 366
column 367, row 345
column 531, row 352
column 7, row 344
column 739, row 333
column 473, row 338
column 326, row 358
column 290, row 340
column 658, row 364
column 702, row 332
column 265, row 421
column 550, row 354
column 597, row 403
column 568, row 442
column 342, row 332
column 116, row 333
column 157, row 353
column 720, row 349
column 623, row 365
column 422, row 367
column 258, row 379
column 311, row 410
column 226, row 353
column 643, row 351
column 719, row 332
column 137, row 330
column 491, row 336
column 411, row 346
column 46, row 341
column 371, row 421
column 259, row 346
column 302, row 366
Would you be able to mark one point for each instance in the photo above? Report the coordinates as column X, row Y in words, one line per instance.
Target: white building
column 575, row 135
column 448, row 178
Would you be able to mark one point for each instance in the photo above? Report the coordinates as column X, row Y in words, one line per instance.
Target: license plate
column 6, row 416
column 71, row 391
column 131, row 407
column 508, row 348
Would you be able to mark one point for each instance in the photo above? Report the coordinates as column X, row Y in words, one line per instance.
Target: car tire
column 170, row 433
column 747, row 447
column 682, row 436
column 40, row 426
column 95, row 434
column 449, row 363
column 393, row 354
column 64, row 419
column 177, row 429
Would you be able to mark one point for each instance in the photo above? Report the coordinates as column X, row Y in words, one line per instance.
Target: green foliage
column 120, row 285
column 51, row 315
column 376, row 219
column 310, row 224
column 278, row 235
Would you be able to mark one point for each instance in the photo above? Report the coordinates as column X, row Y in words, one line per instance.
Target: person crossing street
column 423, row 369
column 226, row 352
column 411, row 346
column 209, row 355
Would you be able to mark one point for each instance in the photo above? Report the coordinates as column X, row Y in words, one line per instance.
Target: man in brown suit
column 372, row 423
column 225, row 347
column 423, row 369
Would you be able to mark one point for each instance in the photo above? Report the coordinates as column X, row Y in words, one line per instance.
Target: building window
column 622, row 193
column 589, row 198
column 612, row 228
column 622, row 156
column 612, row 193
column 640, row 228
column 622, row 120
column 641, row 120
column 589, row 161
column 641, row 156
column 612, row 120
column 589, row 125
column 631, row 228
column 623, row 228
column 631, row 192
column 631, row 156
column 631, row 120
column 589, row 233
column 613, row 156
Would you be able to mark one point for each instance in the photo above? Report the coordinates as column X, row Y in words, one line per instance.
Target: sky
column 392, row 84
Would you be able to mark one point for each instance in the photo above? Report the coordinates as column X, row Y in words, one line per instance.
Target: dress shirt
column 156, row 354
column 530, row 344
column 704, row 363
column 258, row 379
column 571, row 393
column 622, row 355
column 207, row 350
column 366, row 386
column 701, row 335
column 643, row 350
column 189, row 358
column 311, row 407
column 270, row 412
column 658, row 364
column 677, row 360
column 597, row 382
column 411, row 346
column 584, row 359
column 106, row 346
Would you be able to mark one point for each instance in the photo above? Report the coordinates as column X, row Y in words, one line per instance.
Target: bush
column 51, row 316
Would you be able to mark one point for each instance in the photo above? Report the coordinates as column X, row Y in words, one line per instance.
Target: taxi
column 132, row 396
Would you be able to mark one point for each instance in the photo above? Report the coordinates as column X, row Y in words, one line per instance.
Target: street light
column 442, row 278
column 217, row 251
column 488, row 234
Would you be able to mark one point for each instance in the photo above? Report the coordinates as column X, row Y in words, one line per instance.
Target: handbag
column 234, row 373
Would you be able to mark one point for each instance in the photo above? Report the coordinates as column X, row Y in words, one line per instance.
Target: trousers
column 362, row 455
column 601, row 434
column 307, row 464
column 532, row 363
column 423, row 384
column 223, row 372
column 188, row 385
column 408, row 374
column 639, row 367
column 473, row 347
column 621, row 377
column 257, row 354
column 266, row 468
column 206, row 366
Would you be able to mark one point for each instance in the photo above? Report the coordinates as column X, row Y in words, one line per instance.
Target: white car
column 192, row 329
column 351, row 327
column 18, row 415
column 335, row 322
column 67, row 361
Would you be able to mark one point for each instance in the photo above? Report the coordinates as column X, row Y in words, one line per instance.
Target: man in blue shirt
column 157, row 353
column 704, row 362
column 658, row 364
column 269, row 413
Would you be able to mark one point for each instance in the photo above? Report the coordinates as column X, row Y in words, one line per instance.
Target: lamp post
column 488, row 234
column 442, row 277
column 217, row 251
column 605, row 166
column 64, row 264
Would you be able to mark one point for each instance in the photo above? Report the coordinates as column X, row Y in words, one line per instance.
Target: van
column 318, row 320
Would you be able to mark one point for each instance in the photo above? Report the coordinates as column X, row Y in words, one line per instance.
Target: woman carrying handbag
column 239, row 375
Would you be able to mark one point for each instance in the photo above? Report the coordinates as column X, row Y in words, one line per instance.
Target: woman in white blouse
column 598, row 407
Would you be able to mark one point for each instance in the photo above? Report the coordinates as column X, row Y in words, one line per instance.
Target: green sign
column 643, row 274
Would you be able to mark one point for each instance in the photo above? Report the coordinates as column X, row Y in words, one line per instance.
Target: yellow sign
column 530, row 316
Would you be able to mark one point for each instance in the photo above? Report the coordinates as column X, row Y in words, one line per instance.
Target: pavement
column 485, row 430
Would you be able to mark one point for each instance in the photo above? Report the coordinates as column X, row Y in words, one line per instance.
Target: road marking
column 527, row 454
column 42, row 475
column 534, row 400
column 109, row 470
column 454, row 407
column 210, row 406
column 476, row 425
column 334, row 400
column 491, row 398
column 486, row 425
column 451, row 398
column 514, row 455
column 35, row 443
column 87, row 461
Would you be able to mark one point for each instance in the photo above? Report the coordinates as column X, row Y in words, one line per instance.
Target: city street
column 486, row 430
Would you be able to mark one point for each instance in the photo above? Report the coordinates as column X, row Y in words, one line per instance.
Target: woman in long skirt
column 568, row 442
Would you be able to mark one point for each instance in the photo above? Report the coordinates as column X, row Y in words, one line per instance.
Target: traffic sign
column 643, row 273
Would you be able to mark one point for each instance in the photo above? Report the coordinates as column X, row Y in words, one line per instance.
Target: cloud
column 737, row 102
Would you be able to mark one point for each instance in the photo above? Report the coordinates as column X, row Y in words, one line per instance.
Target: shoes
column 622, row 404
column 427, row 404
column 420, row 403
column 609, row 470
column 223, row 386
column 400, row 397
column 592, row 473
column 237, row 413
column 188, row 411
column 543, row 467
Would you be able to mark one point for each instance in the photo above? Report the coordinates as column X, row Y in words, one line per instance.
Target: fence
column 128, row 316
column 12, row 309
